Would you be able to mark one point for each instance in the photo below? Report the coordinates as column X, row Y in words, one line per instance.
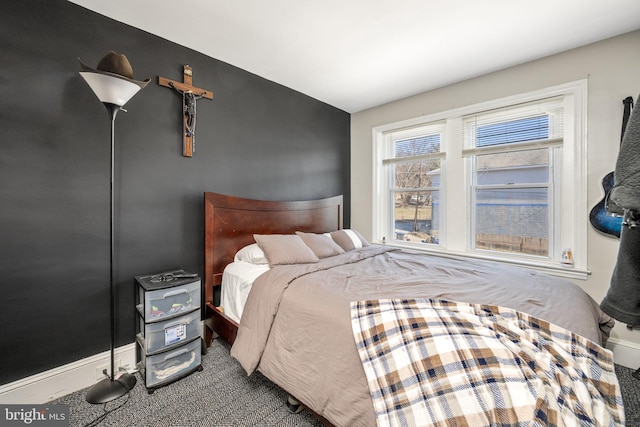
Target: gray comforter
column 296, row 325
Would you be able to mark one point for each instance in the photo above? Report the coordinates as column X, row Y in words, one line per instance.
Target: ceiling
column 358, row 54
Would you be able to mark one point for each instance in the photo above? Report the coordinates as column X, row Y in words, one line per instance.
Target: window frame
column 570, row 202
column 390, row 161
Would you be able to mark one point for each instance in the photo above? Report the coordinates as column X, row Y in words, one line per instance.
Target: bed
column 377, row 335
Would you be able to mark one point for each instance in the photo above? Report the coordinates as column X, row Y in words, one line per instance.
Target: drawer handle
column 176, row 354
column 173, row 293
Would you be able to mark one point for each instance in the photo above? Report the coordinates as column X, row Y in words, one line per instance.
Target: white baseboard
column 625, row 353
column 66, row 379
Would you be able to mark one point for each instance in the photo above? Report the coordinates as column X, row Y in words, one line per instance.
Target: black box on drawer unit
column 169, row 338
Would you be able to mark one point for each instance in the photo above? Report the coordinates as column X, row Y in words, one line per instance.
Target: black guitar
column 600, row 218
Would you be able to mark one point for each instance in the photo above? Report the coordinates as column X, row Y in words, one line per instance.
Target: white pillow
column 251, row 254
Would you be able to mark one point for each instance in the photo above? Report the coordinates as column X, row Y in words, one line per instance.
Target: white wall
column 612, row 68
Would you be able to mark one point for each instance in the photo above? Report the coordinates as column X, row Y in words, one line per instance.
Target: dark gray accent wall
column 256, row 139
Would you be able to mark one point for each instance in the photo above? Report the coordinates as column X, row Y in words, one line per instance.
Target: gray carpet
column 223, row 395
column 220, row 395
column 630, row 387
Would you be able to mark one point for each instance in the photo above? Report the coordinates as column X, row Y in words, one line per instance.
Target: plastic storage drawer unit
column 171, row 365
column 160, row 336
column 169, row 337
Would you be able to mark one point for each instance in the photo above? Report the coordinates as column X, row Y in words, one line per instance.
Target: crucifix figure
column 190, row 94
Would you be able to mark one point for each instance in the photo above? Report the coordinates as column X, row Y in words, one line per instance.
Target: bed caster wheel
column 150, row 390
column 293, row 405
column 200, row 368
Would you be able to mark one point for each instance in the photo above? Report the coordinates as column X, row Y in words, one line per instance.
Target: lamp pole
column 111, row 388
column 113, row 111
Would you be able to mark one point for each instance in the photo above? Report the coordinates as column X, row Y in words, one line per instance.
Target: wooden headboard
column 231, row 222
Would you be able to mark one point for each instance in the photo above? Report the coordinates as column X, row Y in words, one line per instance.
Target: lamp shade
column 108, row 89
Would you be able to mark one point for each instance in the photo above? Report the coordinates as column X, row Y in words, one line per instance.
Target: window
column 414, row 165
column 510, row 155
column 503, row 180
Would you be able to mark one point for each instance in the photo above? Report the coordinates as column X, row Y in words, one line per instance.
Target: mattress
column 237, row 279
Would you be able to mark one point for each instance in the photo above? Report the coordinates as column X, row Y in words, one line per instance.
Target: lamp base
column 108, row 389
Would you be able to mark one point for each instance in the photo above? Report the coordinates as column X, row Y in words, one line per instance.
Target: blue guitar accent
column 600, row 218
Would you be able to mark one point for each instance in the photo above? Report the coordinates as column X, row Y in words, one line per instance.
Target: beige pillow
column 282, row 249
column 322, row 245
column 349, row 239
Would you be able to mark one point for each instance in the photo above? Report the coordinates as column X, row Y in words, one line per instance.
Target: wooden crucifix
column 190, row 94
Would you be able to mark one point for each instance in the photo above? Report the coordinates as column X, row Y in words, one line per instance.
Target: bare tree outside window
column 416, row 181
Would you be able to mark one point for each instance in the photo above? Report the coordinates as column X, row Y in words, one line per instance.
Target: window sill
column 551, row 268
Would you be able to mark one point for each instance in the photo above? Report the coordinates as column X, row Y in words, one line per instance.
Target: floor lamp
column 112, row 82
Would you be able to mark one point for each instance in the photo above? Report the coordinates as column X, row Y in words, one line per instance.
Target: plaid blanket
column 440, row 363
